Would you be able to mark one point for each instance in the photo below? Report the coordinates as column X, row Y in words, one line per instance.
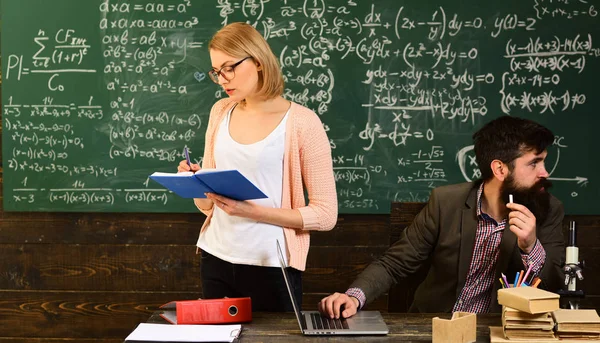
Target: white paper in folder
column 184, row 333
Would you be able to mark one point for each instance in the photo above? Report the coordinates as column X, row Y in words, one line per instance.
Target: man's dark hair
column 507, row 138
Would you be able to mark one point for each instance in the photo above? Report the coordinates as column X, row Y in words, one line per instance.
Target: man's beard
column 536, row 199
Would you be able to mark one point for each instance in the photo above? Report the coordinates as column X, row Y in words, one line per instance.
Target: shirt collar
column 480, row 214
column 479, row 198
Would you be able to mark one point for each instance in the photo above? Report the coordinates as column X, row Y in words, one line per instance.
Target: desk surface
column 404, row 327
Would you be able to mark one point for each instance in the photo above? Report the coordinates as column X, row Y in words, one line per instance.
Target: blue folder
column 228, row 183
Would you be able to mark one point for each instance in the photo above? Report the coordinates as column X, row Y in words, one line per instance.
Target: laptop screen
column 287, row 284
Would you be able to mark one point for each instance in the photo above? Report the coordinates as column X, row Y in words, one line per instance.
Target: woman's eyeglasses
column 227, row 72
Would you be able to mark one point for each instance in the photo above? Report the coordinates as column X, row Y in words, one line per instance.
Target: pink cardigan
column 307, row 158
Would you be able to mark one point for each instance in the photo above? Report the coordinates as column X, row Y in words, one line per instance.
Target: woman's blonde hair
column 242, row 40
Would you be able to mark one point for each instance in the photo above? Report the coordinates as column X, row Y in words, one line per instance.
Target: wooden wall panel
column 100, row 228
column 332, row 269
column 91, row 277
column 152, row 267
column 152, row 228
column 355, row 230
column 100, row 267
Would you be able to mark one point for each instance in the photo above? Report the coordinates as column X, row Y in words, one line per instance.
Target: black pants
column 265, row 285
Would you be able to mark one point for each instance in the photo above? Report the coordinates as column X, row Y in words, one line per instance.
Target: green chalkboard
column 97, row 95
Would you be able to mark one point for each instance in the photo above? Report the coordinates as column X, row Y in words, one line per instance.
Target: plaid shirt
column 475, row 297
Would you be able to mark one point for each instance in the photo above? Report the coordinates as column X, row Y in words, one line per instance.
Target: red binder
column 208, row 311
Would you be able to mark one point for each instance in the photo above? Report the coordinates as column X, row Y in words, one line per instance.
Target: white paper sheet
column 184, row 333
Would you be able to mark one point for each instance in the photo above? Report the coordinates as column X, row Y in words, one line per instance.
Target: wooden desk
column 283, row 327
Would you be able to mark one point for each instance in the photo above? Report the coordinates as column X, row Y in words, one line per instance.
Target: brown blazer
column 445, row 232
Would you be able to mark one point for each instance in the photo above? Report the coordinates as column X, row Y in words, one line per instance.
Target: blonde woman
column 283, row 149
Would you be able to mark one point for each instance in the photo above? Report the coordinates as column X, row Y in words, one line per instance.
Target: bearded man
column 472, row 233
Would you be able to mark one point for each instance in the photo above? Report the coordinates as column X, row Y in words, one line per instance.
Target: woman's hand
column 237, row 208
column 184, row 167
column 203, row 204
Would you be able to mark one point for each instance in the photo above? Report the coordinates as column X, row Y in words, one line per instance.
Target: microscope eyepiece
column 572, row 234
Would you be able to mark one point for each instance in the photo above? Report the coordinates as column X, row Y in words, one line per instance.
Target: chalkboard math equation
column 93, row 103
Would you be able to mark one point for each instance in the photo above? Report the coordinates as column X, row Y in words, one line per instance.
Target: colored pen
column 527, row 273
column 502, row 283
column 505, row 280
column 187, row 156
column 516, row 283
column 532, row 279
column 537, row 282
column 520, row 278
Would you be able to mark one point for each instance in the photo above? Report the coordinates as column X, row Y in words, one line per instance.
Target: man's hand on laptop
column 332, row 305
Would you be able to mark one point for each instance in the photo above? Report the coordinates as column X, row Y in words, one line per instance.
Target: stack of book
column 526, row 313
column 522, row 325
column 577, row 324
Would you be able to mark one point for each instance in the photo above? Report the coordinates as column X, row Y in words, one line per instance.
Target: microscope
column 570, row 298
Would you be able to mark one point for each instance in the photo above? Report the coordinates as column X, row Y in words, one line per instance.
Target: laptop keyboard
column 320, row 322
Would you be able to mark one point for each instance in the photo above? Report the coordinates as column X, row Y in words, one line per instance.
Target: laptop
column 312, row 323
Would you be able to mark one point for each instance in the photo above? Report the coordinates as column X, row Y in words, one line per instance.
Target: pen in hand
column 187, row 165
column 187, row 157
